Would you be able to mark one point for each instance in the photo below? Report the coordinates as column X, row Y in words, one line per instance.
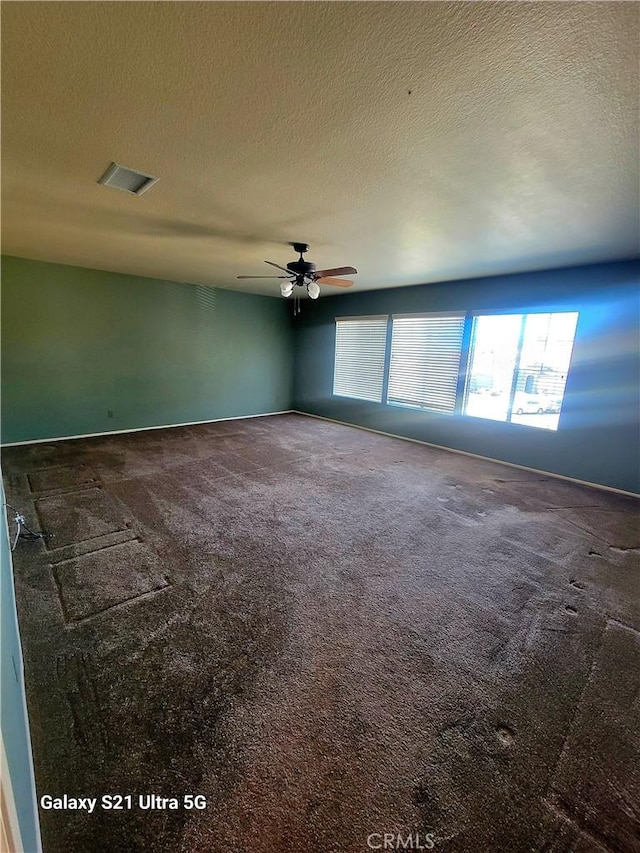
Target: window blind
column 360, row 355
column 425, row 361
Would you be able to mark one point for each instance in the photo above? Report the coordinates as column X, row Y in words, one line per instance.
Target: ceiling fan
column 303, row 273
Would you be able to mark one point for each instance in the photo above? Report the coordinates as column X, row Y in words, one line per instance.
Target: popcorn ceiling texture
column 418, row 142
column 327, row 633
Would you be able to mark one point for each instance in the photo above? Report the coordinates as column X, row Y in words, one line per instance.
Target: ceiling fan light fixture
column 313, row 289
column 286, row 288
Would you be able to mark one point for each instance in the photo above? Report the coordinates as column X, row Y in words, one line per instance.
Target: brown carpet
column 331, row 635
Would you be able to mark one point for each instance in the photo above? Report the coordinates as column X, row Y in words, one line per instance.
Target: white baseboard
column 141, row 429
column 474, row 455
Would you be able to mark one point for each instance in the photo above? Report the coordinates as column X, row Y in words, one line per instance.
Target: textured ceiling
column 415, row 141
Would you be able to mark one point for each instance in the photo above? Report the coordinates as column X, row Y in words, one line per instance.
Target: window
column 361, row 344
column 501, row 367
column 518, row 367
column 425, row 361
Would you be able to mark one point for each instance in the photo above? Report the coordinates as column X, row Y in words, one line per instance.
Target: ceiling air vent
column 125, row 179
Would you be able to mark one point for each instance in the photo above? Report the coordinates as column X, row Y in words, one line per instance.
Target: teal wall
column 78, row 343
column 598, row 435
column 13, row 719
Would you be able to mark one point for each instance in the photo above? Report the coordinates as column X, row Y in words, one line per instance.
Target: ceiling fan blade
column 262, row 276
column 336, row 271
column 277, row 266
column 335, row 282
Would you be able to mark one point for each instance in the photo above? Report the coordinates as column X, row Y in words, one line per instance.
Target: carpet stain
column 577, row 584
column 505, row 735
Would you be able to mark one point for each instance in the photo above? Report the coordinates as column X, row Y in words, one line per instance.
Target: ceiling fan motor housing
column 301, row 267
